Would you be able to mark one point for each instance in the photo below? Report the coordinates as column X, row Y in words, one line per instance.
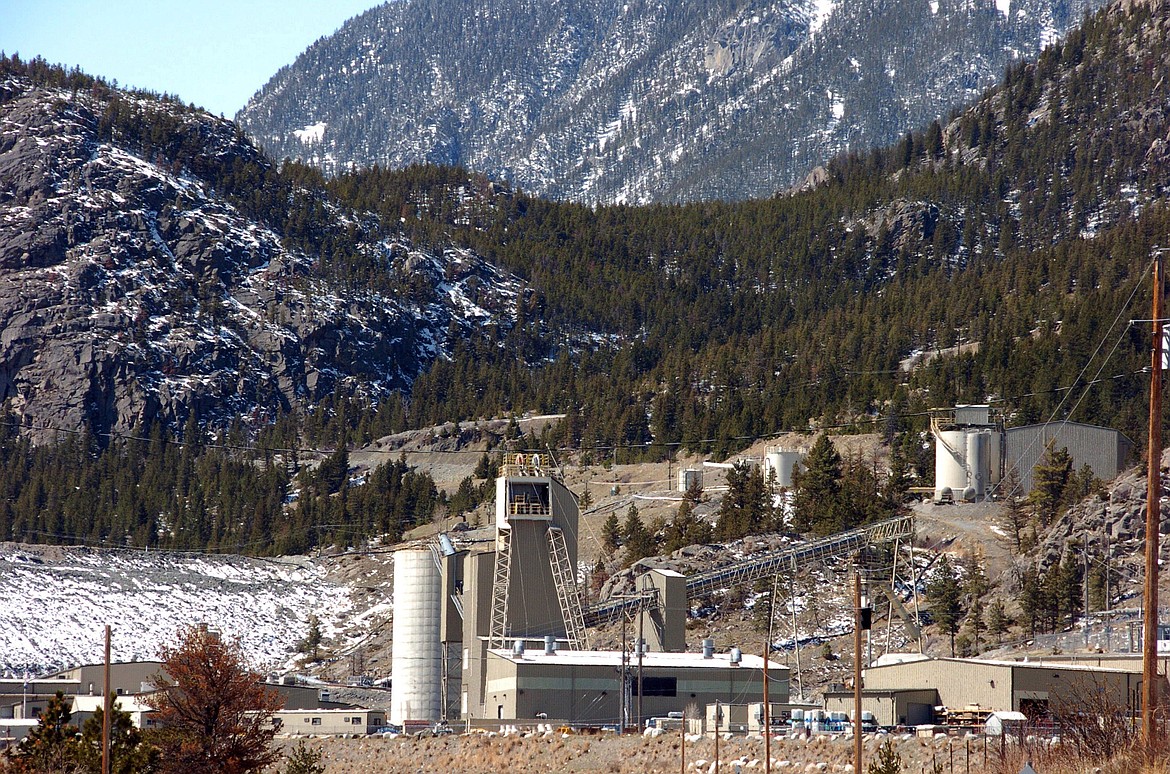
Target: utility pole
column 641, row 648
column 767, row 714
column 1086, row 585
column 718, row 717
column 857, row 666
column 107, row 709
column 682, row 743
column 622, row 693
column 1150, row 741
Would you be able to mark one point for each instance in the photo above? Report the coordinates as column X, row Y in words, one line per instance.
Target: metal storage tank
column 416, row 687
column 950, row 472
column 779, row 463
column 978, row 462
column 688, row 477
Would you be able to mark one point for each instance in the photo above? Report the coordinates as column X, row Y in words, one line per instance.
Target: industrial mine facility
column 498, row 632
column 494, row 629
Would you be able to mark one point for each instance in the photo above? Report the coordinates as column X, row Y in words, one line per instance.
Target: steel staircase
column 498, row 633
column 565, row 578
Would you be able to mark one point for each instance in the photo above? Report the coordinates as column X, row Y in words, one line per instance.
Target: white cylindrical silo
column 978, row 462
column 779, row 464
column 689, row 477
column 416, row 685
column 950, row 469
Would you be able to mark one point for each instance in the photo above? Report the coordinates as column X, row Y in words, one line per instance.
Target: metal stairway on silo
column 565, row 578
column 498, row 632
column 765, row 565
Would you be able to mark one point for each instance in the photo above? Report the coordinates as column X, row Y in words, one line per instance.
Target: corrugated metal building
column 584, row 686
column 1104, row 450
column 906, row 693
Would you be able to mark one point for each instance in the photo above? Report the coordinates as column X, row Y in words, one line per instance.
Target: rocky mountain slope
column 640, row 100
column 134, row 288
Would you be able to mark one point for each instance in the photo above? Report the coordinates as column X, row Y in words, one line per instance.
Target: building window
column 316, row 721
column 660, row 686
column 356, row 721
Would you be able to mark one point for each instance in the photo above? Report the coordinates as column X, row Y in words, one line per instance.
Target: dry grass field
column 483, row 754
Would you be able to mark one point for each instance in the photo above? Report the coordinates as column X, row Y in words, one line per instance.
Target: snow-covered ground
column 55, row 604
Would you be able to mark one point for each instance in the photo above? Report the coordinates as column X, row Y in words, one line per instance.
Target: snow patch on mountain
column 311, row 133
column 822, row 10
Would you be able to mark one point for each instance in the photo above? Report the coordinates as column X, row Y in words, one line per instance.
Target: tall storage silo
column 416, row 686
column 779, row 463
column 950, row 469
column 978, row 463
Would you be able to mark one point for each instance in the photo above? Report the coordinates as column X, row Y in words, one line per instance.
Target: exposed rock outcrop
column 131, row 291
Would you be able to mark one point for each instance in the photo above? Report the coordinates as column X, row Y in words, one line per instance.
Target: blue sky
column 215, row 53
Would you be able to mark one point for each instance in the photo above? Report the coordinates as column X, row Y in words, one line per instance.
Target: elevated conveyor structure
column 765, row 565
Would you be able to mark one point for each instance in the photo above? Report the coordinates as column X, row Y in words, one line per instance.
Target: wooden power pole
column 767, row 718
column 857, row 668
column 107, row 708
column 1150, row 740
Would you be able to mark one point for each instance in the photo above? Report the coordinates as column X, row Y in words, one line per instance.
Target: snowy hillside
column 57, row 601
column 640, row 100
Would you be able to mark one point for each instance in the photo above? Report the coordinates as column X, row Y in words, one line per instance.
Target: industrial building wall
column 958, row 682
column 355, row 721
column 1077, row 690
column 591, row 693
column 533, row 608
column 1104, row 450
column 566, row 516
column 889, row 708
column 477, row 603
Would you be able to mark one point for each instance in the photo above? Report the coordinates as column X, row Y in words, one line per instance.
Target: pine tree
column 817, row 503
column 945, row 595
column 1050, row 478
column 998, row 620
column 639, row 541
column 311, row 644
column 303, row 760
column 887, row 761
column 686, row 529
column 611, row 533
column 1031, row 599
column 129, row 752
column 746, row 508
column 47, row 748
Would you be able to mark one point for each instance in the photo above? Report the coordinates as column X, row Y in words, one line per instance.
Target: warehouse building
column 907, row 693
column 585, row 686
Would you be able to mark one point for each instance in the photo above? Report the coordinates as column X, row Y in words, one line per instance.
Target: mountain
column 640, row 100
column 1009, row 242
column 156, row 267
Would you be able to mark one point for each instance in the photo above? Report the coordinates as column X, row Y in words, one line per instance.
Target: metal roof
column 653, row 660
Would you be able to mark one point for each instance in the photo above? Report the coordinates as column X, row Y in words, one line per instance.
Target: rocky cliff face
column 640, row 100
column 131, row 291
